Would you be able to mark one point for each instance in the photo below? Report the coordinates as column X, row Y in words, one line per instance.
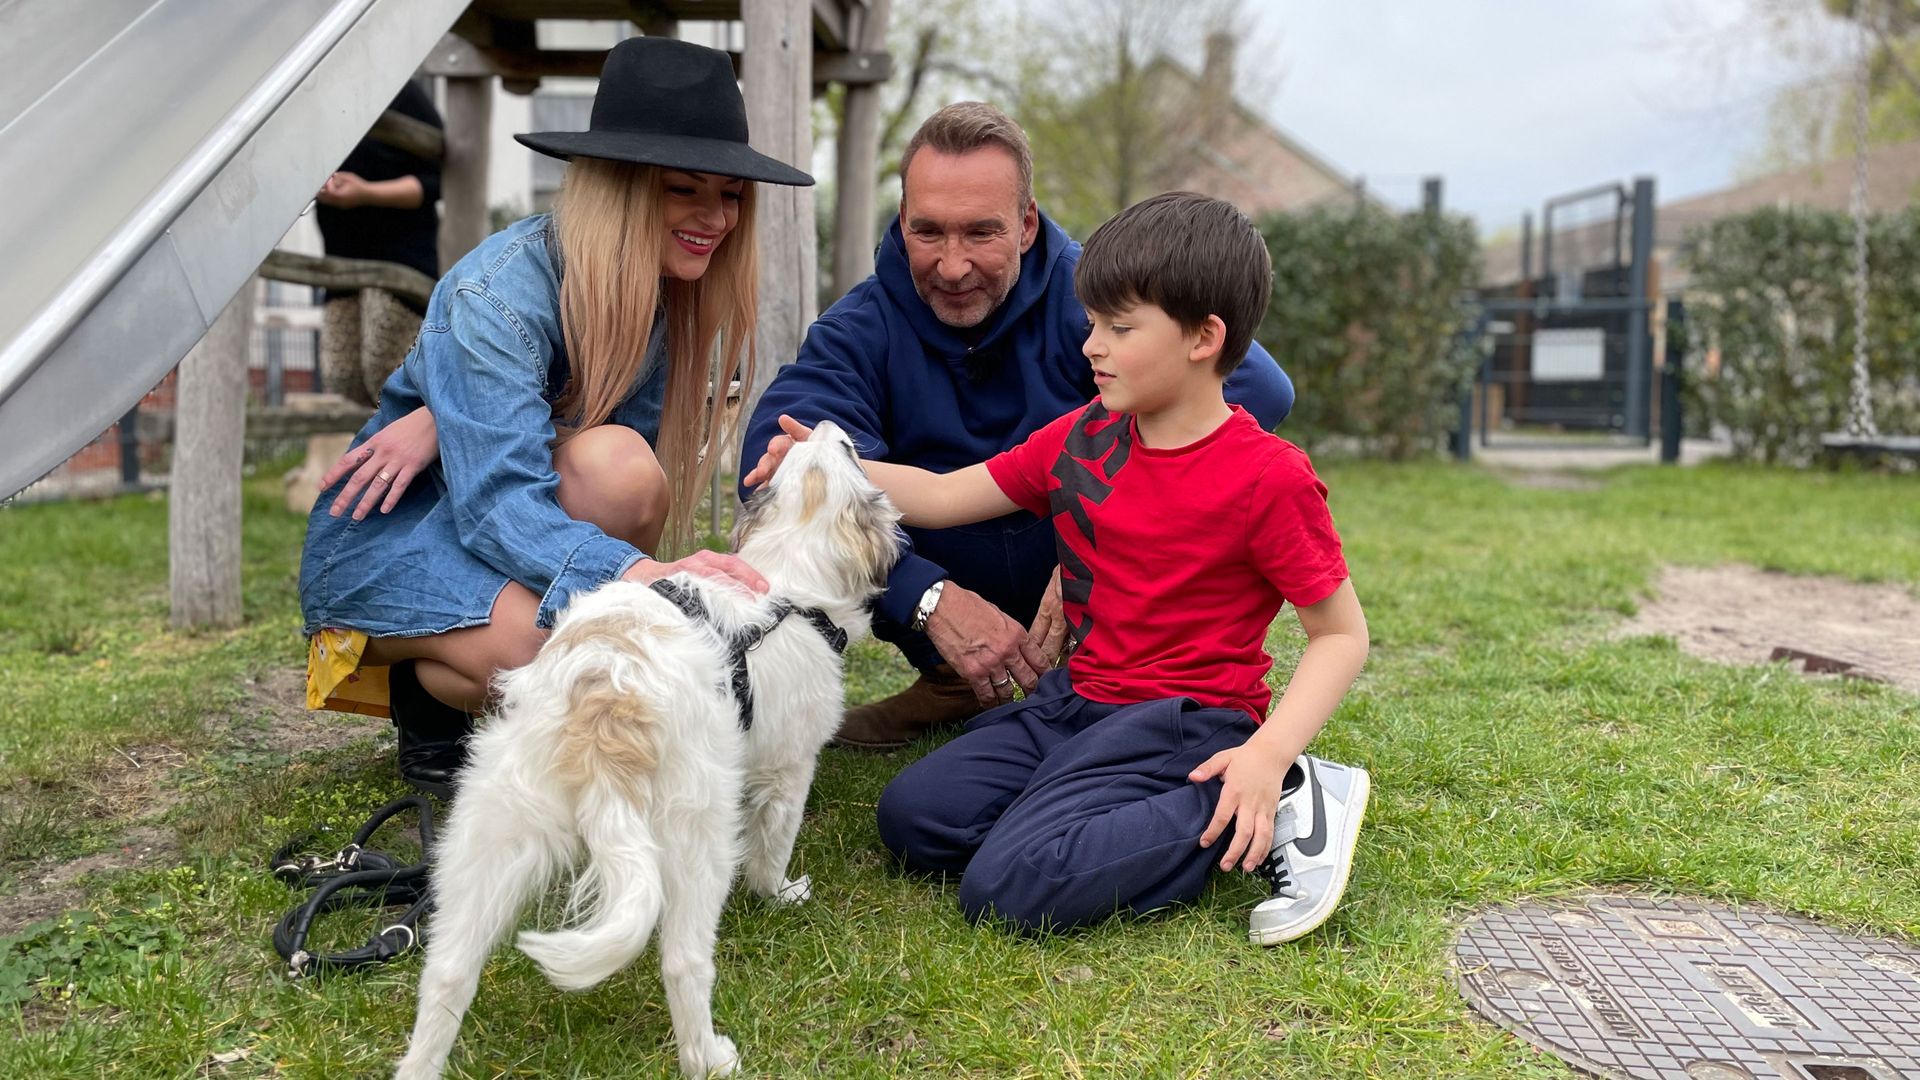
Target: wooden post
column 854, row 155
column 463, row 175
column 209, row 442
column 777, row 79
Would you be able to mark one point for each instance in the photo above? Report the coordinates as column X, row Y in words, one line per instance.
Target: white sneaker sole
column 1362, row 788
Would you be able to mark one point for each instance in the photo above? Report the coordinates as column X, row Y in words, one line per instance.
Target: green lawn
column 1517, row 750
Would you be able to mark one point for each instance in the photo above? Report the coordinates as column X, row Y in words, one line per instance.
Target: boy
column 1119, row 782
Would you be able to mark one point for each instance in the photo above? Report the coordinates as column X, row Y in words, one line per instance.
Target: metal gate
column 1572, row 357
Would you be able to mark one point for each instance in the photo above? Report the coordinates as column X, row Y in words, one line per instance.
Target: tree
column 1812, row 121
column 1111, row 119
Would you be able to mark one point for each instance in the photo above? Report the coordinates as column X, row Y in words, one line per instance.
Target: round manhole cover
column 1643, row 989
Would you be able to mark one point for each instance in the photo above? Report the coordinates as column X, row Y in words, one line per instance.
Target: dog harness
column 748, row 637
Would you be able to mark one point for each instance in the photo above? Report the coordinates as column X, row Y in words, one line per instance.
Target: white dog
column 625, row 737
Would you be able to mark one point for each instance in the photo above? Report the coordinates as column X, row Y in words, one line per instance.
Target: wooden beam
column 776, row 75
column 339, row 272
column 829, row 23
column 463, row 177
column 203, row 505
column 867, row 67
column 457, row 57
column 854, row 154
column 409, row 136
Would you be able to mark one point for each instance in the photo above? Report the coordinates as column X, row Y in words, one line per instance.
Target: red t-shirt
column 1175, row 562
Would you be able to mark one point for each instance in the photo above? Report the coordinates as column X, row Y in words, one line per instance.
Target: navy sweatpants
column 1058, row 811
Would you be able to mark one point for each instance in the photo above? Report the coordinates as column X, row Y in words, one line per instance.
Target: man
column 965, row 341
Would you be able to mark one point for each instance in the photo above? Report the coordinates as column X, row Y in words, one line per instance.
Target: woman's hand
column 384, row 465
column 1252, row 777
column 713, row 564
column 777, row 448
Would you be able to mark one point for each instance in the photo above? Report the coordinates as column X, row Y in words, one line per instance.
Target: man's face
column 965, row 230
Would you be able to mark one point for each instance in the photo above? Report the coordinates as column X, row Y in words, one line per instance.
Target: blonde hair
column 610, row 220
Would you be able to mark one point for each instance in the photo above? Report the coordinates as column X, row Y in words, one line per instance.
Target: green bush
column 1366, row 318
column 1772, row 293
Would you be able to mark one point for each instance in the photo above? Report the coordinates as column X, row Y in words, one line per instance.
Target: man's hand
column 988, row 649
column 1253, row 776
column 777, row 448
column 1048, row 633
column 713, row 564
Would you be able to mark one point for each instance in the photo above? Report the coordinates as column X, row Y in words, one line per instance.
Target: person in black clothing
column 378, row 205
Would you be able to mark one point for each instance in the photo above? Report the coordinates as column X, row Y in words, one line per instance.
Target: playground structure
column 154, row 151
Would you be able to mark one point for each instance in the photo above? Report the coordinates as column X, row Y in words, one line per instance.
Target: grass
column 1517, row 749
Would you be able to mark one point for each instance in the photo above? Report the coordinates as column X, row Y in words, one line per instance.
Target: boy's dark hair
column 1191, row 256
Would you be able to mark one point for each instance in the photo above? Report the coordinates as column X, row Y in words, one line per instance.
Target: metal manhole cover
column 1642, row 989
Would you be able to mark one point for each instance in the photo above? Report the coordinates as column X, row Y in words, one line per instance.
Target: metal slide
column 151, row 153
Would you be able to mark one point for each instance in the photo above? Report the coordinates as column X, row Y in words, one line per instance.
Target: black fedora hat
column 667, row 102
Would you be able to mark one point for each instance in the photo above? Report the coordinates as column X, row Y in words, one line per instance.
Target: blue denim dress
column 489, row 362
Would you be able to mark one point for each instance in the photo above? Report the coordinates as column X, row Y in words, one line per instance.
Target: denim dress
column 489, row 362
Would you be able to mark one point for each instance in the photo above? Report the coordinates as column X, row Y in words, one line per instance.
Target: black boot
column 432, row 734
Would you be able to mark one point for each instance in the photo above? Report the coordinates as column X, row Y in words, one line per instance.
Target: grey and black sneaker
column 1313, row 836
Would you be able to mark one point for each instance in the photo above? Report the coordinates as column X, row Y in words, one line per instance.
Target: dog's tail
column 609, row 737
column 618, row 895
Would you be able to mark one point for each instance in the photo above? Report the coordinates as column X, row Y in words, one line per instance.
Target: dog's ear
column 871, row 532
column 752, row 515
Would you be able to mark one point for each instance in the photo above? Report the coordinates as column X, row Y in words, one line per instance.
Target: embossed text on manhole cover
column 1636, row 988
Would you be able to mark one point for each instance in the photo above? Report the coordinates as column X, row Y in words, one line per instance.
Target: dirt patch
column 52, row 887
column 137, row 785
column 274, row 716
column 1743, row 615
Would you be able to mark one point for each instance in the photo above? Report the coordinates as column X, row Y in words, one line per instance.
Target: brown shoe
column 937, row 697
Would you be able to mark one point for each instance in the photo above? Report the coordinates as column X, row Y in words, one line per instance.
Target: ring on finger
column 1003, row 683
column 385, row 478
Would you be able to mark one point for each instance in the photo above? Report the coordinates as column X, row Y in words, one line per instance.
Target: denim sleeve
column 483, row 380
column 1259, row 386
column 833, row 379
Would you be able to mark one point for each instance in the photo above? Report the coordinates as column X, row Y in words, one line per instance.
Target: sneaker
column 1313, row 836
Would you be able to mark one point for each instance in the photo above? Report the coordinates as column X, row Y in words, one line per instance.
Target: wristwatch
column 929, row 600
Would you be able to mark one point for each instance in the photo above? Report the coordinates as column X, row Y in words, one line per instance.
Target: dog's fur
column 621, row 738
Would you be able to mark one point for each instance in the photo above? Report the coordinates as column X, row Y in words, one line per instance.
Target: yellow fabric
column 335, row 679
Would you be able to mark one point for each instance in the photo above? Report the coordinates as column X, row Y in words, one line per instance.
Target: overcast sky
column 1513, row 101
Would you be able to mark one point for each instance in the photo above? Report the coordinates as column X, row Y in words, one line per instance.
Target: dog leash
column 748, row 637
column 354, row 876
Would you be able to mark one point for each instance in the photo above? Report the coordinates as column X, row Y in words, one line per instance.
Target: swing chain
column 1860, row 422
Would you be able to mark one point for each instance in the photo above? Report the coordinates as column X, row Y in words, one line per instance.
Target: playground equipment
column 1863, row 437
column 152, row 152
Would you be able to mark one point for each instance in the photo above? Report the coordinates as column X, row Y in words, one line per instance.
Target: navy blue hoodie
column 911, row 389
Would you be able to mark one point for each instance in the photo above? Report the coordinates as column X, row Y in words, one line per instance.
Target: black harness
column 748, row 638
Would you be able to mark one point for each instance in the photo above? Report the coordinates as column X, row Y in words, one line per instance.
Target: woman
column 576, row 415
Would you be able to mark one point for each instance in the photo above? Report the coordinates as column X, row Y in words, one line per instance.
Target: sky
column 1514, row 101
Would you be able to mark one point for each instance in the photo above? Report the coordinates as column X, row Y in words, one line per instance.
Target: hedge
column 1772, row 292
column 1366, row 317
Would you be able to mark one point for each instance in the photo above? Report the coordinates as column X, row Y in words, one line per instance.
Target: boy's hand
column 1252, row 777
column 777, row 448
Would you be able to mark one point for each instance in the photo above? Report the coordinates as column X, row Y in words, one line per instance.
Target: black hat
column 667, row 102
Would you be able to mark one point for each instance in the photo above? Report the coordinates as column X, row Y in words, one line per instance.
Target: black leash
column 748, row 638
column 354, row 876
